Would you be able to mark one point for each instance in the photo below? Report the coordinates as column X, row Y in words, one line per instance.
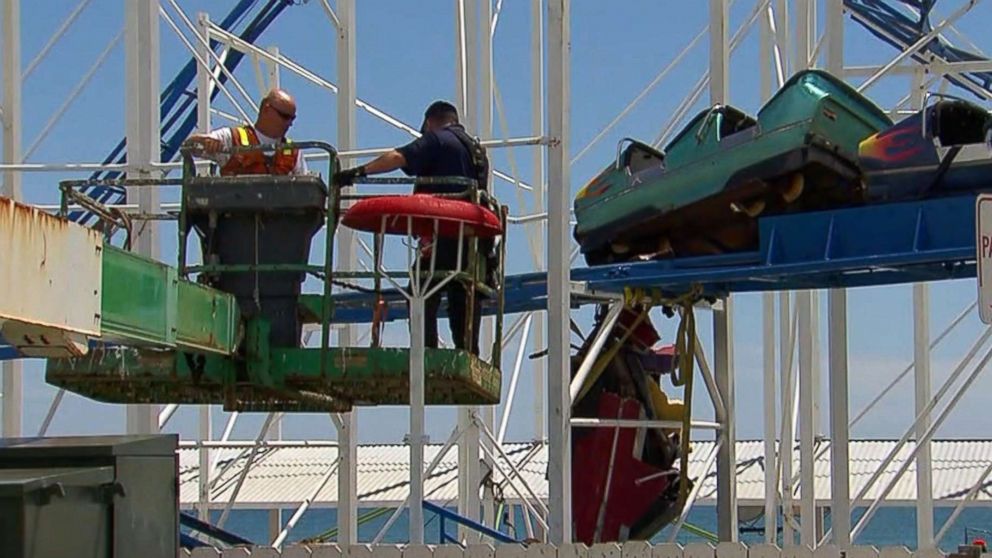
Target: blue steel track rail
column 901, row 23
column 882, row 244
column 879, row 244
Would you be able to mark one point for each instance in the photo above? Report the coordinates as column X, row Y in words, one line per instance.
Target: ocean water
column 892, row 526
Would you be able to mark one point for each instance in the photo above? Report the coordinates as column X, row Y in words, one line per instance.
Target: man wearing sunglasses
column 276, row 114
column 443, row 149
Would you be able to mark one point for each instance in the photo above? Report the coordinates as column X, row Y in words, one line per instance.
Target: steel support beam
column 537, row 129
column 765, row 47
column 719, row 51
column 768, row 352
column 726, row 461
column 347, row 426
column 786, row 342
column 559, row 197
column 12, row 371
column 272, row 71
column 203, row 88
column 817, row 367
column 723, row 361
column 807, row 535
column 469, row 472
column 781, row 18
column 802, row 43
column 481, row 26
column 143, row 144
column 923, row 389
column 840, row 482
column 416, row 439
column 835, row 38
column 204, row 83
column 203, row 503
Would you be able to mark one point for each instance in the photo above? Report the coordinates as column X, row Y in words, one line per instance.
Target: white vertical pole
column 470, row 29
column 416, row 419
column 468, row 469
column 840, row 483
column 786, row 343
column 559, row 196
column 481, row 29
column 801, row 50
column 782, row 36
column 835, row 38
column 768, row 338
column 765, row 59
column 203, row 509
column 817, row 367
column 807, row 535
column 203, row 87
column 469, row 472
column 722, row 323
column 808, row 330
column 11, row 98
column 768, row 302
column 726, row 464
column 922, row 376
column 460, row 80
column 143, row 145
column 348, row 426
column 273, row 71
column 537, row 129
column 719, row 52
column 13, row 390
column 922, row 380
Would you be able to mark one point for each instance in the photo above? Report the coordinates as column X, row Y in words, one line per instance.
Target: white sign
column 983, row 248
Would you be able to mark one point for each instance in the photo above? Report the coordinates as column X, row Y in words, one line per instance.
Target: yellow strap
column 685, row 349
column 243, row 136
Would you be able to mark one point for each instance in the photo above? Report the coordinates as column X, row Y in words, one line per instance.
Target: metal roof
column 286, row 476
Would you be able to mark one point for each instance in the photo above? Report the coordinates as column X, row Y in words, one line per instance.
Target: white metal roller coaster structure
column 791, row 36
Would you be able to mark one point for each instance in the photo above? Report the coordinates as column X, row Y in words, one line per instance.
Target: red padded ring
column 417, row 213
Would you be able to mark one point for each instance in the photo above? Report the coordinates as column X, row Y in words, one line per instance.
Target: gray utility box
column 89, row 496
column 56, row 512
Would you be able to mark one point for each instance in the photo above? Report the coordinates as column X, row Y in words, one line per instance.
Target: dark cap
column 438, row 108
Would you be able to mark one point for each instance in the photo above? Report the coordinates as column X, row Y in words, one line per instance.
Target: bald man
column 276, row 114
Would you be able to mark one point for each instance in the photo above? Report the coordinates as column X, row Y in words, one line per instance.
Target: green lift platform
column 231, row 334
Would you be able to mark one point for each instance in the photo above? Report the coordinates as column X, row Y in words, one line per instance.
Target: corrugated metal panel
column 286, row 476
column 51, row 274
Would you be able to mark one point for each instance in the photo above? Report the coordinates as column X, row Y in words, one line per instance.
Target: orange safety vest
column 257, row 162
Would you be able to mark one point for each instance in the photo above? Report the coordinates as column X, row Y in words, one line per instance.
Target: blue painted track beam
column 881, row 244
column 928, row 240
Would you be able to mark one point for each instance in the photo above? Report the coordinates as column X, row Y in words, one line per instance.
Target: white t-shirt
column 226, row 137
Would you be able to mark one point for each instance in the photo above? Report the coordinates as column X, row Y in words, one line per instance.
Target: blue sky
column 406, row 60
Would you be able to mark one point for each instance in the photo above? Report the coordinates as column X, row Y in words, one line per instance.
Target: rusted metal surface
column 356, row 376
column 50, row 281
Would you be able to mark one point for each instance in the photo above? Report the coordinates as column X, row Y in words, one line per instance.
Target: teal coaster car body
column 702, row 192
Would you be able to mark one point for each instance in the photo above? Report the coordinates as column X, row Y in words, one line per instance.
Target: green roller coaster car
column 703, row 192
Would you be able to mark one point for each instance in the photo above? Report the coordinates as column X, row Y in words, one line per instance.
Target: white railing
column 638, row 549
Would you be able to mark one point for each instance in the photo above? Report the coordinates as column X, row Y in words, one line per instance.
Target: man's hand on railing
column 347, row 177
column 200, row 145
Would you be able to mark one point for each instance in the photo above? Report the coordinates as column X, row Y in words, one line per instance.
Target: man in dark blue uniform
column 443, row 149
